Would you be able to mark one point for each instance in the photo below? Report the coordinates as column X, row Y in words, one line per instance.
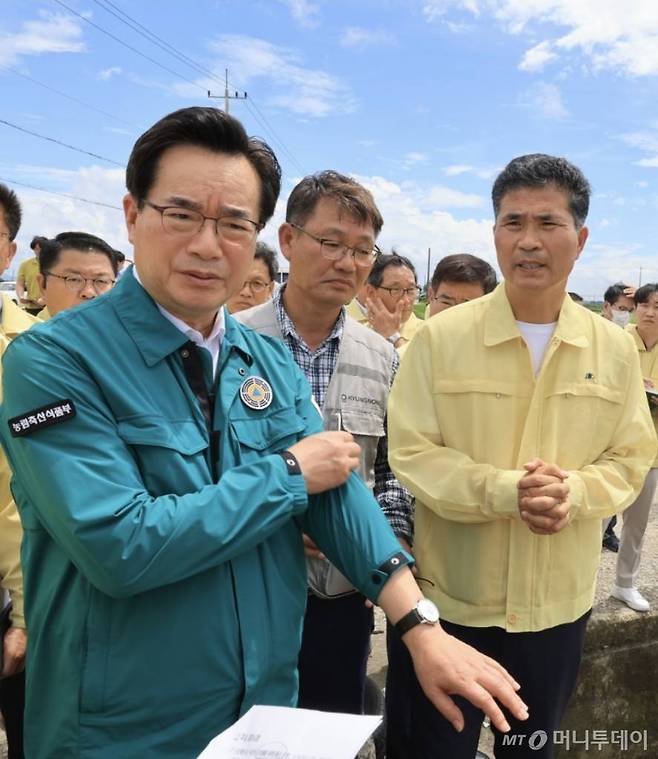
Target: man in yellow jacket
column 518, row 420
column 12, row 685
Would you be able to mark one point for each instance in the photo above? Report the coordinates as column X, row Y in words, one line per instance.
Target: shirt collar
column 287, row 325
column 501, row 326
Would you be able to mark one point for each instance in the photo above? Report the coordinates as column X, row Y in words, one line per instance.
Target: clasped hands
column 543, row 497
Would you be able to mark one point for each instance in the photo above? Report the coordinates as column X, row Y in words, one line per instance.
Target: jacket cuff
column 372, row 584
column 503, row 493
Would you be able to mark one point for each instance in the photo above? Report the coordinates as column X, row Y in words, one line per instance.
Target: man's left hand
column 15, row 645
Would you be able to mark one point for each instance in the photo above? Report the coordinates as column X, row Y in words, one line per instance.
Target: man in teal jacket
column 166, row 463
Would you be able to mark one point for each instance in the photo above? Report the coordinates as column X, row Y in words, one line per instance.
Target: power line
column 149, row 35
column 65, row 95
column 126, row 45
column 59, row 142
column 61, row 194
column 135, row 25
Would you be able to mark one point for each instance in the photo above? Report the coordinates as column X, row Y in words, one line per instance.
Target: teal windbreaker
column 161, row 604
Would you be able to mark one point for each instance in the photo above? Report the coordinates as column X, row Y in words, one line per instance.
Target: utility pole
column 227, row 97
column 639, row 284
column 427, row 281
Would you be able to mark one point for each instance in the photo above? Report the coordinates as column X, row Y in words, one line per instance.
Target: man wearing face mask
column 618, row 303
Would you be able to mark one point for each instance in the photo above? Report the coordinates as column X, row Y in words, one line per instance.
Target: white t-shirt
column 537, row 337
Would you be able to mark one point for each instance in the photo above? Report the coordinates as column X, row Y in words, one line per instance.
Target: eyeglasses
column 256, row 285
column 77, row 284
column 334, row 250
column 186, row 222
column 397, row 292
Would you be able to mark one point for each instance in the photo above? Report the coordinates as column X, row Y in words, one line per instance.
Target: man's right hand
column 326, row 459
column 543, row 497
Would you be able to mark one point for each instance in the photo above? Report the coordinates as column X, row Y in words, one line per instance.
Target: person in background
column 390, row 293
column 636, row 516
column 13, row 320
column 576, row 298
column 518, row 421
column 329, row 241
column 457, row 279
column 27, row 285
column 259, row 285
column 618, row 306
column 74, row 267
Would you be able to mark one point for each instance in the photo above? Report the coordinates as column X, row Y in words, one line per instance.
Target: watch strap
column 408, row 622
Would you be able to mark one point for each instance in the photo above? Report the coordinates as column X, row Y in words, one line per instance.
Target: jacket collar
column 154, row 335
column 500, row 322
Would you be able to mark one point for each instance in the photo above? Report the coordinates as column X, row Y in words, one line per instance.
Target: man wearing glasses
column 74, row 267
column 164, row 565
column 390, row 294
column 259, row 284
column 457, row 279
column 329, row 241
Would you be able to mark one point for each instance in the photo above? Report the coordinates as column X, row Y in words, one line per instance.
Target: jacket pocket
column 366, row 429
column 171, row 455
column 268, row 434
column 584, row 416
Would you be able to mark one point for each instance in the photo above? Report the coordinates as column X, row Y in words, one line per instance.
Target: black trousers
column 334, row 654
column 12, row 706
column 546, row 665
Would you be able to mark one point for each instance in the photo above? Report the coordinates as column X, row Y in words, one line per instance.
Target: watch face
column 428, row 611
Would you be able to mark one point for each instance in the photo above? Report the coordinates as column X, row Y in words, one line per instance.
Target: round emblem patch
column 256, row 393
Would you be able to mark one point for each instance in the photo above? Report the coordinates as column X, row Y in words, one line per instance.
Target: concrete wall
column 617, row 688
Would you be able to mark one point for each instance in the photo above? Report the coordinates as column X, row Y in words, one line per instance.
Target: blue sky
column 423, row 101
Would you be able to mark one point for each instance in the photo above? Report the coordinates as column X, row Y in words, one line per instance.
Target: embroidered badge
column 256, row 393
column 53, row 413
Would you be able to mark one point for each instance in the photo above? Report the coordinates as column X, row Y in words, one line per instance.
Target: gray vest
column 355, row 402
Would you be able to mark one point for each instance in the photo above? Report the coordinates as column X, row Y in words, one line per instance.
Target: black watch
column 424, row 613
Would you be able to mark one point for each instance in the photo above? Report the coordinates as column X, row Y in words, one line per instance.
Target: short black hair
column 642, row 294
column 541, row 170
column 614, row 293
column 382, row 262
column 207, row 128
column 11, row 207
column 351, row 197
column 37, row 240
column 575, row 297
column 81, row 241
column 464, row 267
column 268, row 256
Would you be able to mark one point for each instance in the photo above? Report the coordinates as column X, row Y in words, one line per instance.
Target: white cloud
column 537, row 57
column 646, row 141
column 463, row 168
column 304, row 12
column 106, row 74
column 294, row 85
column 610, row 34
column 545, row 100
column 649, row 163
column 358, row 37
column 415, row 220
column 45, row 214
column 52, row 33
column 414, row 158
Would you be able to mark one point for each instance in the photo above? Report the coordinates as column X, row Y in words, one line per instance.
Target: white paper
column 279, row 732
